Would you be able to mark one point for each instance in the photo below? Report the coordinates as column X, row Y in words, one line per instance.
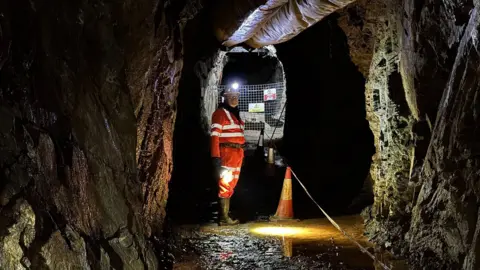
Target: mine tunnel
column 352, row 127
column 327, row 138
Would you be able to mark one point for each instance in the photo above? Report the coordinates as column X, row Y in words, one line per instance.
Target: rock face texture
column 422, row 106
column 387, row 112
column 444, row 229
column 87, row 106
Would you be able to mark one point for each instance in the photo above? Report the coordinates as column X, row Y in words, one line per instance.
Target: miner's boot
column 224, row 219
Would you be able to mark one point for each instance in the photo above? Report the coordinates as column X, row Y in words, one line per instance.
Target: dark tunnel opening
column 327, row 139
column 251, row 69
column 192, row 184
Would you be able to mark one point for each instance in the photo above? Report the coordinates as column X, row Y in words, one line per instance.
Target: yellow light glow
column 227, row 177
column 279, row 231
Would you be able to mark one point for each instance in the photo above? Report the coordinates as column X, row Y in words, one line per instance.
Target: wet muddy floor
column 307, row 244
column 310, row 243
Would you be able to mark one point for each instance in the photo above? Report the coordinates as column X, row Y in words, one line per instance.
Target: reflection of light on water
column 301, row 233
column 287, row 246
column 279, row 231
column 285, row 233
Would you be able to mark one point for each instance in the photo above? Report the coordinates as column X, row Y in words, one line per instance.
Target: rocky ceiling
column 260, row 23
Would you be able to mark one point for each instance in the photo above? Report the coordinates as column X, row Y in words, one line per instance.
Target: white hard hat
column 231, row 91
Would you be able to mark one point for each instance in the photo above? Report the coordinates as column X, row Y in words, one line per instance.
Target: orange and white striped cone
column 285, row 205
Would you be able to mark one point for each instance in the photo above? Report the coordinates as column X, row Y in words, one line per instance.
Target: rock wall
column 210, row 73
column 426, row 169
column 444, row 228
column 78, row 83
column 388, row 114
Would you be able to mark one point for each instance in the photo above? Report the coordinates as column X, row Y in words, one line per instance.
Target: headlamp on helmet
column 231, row 91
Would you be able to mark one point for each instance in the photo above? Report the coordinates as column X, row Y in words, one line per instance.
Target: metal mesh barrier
column 260, row 107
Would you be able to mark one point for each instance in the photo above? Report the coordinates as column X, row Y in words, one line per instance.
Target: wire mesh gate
column 260, row 107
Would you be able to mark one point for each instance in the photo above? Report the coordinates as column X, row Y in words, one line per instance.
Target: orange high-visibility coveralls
column 226, row 128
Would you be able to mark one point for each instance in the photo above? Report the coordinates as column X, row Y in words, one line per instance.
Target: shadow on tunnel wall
column 327, row 140
column 192, row 187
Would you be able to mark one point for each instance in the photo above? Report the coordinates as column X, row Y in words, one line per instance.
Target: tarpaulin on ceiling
column 259, row 23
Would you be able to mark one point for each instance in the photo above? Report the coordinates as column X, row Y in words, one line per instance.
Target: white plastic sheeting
column 261, row 23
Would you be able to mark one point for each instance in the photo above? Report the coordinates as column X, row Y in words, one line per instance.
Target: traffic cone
column 285, row 205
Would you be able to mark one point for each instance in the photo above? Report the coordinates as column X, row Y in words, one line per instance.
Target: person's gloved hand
column 217, row 166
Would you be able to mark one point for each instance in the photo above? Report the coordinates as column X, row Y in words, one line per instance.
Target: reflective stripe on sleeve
column 233, row 169
column 215, row 133
column 216, row 126
column 226, row 127
column 229, row 135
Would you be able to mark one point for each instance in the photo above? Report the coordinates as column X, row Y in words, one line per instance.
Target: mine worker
column 227, row 142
